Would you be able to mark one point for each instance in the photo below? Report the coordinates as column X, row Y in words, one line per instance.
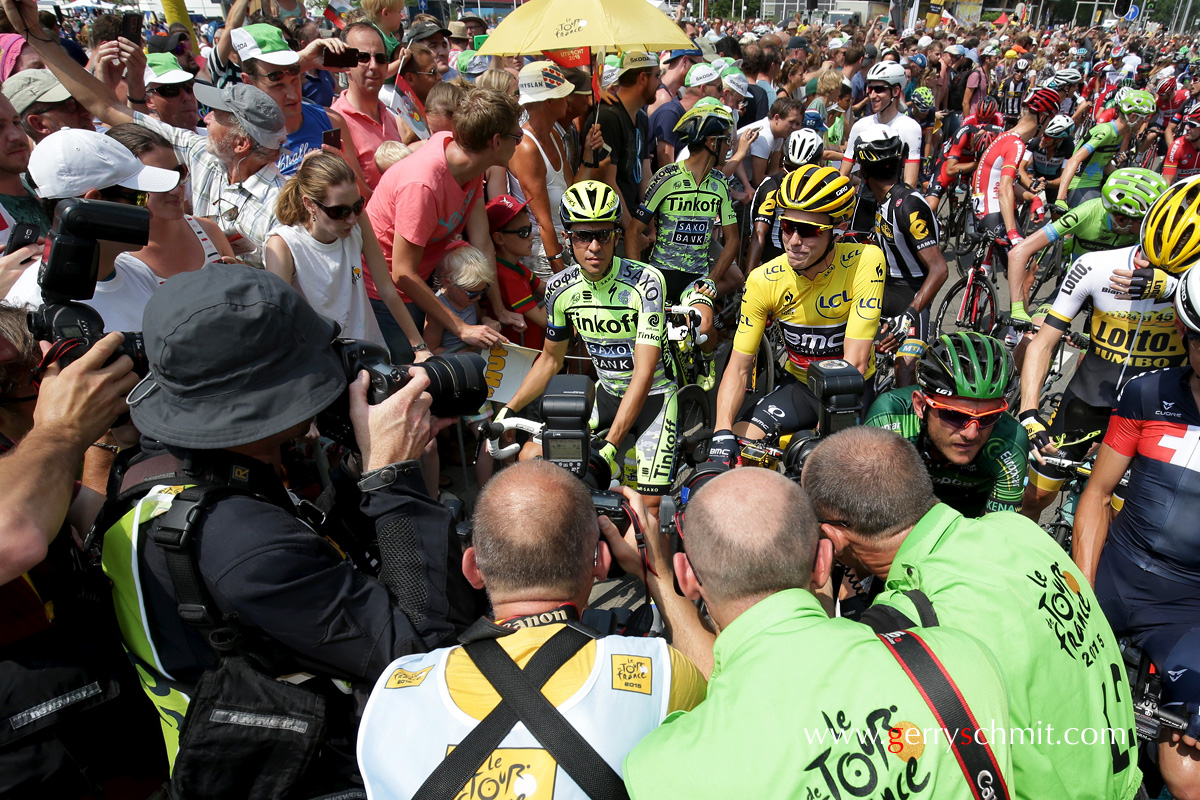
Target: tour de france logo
column 569, row 27
column 631, row 673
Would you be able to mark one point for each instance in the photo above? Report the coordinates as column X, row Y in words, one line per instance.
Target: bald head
column 535, row 532
column 872, row 479
column 738, row 555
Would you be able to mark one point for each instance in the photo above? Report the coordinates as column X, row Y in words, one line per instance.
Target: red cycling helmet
column 982, row 139
column 987, row 108
column 1167, row 87
column 1043, row 101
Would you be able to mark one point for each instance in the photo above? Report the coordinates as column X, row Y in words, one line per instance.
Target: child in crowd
column 511, row 228
column 462, row 279
column 443, row 99
column 388, row 153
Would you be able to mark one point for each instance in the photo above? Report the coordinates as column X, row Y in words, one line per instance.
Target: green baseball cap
column 163, row 68
column 265, row 43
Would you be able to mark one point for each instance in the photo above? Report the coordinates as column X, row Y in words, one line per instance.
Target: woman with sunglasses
column 955, row 417
column 319, row 245
column 178, row 242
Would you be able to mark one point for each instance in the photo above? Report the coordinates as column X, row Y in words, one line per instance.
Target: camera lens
column 456, row 384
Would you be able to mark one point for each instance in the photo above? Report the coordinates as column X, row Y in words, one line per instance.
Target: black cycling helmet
column 966, row 364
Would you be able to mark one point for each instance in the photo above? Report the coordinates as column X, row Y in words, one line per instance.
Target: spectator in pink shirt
column 369, row 121
column 420, row 210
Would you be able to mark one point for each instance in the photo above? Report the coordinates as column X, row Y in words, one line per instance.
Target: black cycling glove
column 1036, row 428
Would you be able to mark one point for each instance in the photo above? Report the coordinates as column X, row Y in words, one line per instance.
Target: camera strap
column 941, row 694
column 521, row 700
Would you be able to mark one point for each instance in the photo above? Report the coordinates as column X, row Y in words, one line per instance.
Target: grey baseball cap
column 236, row 355
column 252, row 107
column 34, row 86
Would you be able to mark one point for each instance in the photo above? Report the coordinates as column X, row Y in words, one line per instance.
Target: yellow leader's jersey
column 817, row 316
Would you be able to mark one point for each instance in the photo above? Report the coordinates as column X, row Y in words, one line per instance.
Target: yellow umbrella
column 595, row 24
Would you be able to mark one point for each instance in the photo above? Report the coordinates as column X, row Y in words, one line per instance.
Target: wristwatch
column 419, row 347
column 387, row 475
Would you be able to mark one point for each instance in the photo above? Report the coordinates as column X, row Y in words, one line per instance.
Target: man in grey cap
column 233, row 174
column 240, row 364
column 44, row 104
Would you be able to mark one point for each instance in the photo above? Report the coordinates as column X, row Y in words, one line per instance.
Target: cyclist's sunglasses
column 339, row 213
column 587, row 237
column 957, row 417
column 171, row 90
column 806, row 230
column 274, row 76
column 1192, row 337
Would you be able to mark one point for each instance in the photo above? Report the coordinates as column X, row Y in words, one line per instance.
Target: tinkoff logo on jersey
column 614, row 325
column 512, row 773
column 692, row 203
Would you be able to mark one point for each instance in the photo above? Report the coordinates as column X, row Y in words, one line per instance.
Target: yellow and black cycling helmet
column 818, row 190
column 589, row 201
column 1171, row 229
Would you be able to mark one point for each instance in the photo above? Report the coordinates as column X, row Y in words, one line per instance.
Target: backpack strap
column 521, row 700
column 941, row 694
column 883, row 618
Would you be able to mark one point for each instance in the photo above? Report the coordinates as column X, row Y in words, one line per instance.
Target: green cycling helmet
column 966, row 364
column 1137, row 101
column 589, row 201
column 922, row 100
column 1131, row 191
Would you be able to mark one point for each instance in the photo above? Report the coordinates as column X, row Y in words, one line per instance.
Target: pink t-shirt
column 367, row 134
column 420, row 200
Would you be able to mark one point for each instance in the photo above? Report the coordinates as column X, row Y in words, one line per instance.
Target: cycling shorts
column 687, row 288
column 993, row 225
column 649, row 447
column 791, row 406
column 1073, row 419
column 897, row 296
column 943, row 182
column 1159, row 615
column 1079, row 196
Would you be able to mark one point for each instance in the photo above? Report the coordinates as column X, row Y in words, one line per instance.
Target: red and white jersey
column 1000, row 159
column 1183, row 160
column 1169, row 104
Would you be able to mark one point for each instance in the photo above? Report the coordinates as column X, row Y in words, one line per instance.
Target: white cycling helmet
column 887, row 72
column 804, row 146
column 1022, row 65
column 1187, row 300
column 1060, row 127
column 1068, row 75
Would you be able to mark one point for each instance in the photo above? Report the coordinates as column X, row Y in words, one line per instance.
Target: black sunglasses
column 277, row 75
column 173, row 89
column 520, row 233
column 877, row 89
column 119, row 194
column 380, row 58
column 183, row 172
column 805, row 230
column 587, row 237
column 339, row 213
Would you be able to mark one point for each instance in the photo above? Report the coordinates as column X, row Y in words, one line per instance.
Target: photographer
column 1000, row 578
column 86, row 164
column 240, row 364
column 536, row 548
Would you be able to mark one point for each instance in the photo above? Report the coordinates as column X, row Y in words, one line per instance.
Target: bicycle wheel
column 970, row 305
column 762, row 379
column 960, row 221
column 695, row 427
column 1049, row 268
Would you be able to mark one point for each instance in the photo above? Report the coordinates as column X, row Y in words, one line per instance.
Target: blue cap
column 919, row 60
column 812, row 120
column 693, row 52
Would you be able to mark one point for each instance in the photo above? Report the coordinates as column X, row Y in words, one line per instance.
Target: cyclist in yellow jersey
column 827, row 297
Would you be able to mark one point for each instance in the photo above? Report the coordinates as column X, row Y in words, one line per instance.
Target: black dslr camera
column 838, row 386
column 456, row 384
column 565, row 409
column 68, row 275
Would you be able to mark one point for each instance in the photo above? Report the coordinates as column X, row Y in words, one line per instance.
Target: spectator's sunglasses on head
column 275, row 76
column 339, row 213
column 587, row 237
column 172, row 90
column 957, row 417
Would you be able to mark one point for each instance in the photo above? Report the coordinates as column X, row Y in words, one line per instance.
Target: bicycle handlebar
column 497, row 429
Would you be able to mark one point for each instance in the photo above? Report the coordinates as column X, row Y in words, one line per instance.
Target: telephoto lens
column 456, row 384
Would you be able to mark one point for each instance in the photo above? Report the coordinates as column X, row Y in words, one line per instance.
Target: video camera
column 566, row 409
column 68, row 275
column 456, row 384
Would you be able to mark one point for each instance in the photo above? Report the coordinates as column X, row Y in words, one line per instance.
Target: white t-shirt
column 766, row 143
column 330, row 278
column 904, row 126
column 120, row 300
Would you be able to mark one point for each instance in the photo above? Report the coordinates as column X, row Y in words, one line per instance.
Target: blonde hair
column 829, row 81
column 388, row 153
column 481, row 115
column 317, row 173
column 373, row 8
column 465, row 267
column 498, row 80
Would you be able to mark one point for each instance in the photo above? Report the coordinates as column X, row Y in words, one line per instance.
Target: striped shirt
column 245, row 209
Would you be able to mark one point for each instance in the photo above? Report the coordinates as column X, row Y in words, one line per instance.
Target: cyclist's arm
column 1171, row 165
column 754, row 257
column 752, row 321
column 1009, row 469
column 936, row 272
column 922, row 235
column 645, row 360
column 955, row 167
column 1019, row 256
column 545, row 367
column 1024, row 175
column 1083, row 153
column 1169, row 133
column 1094, row 514
column 728, row 252
column 1037, row 365
column 733, row 388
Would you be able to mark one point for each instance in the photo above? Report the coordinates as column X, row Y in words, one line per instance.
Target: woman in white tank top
column 320, row 245
column 178, row 242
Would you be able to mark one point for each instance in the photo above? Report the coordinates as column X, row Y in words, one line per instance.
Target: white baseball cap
column 924, row 41
column 835, row 44
column 70, row 162
column 163, row 68
column 636, row 59
column 735, row 80
column 701, row 74
column 542, row 80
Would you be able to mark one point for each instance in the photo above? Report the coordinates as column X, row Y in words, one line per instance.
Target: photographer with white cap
column 90, row 165
column 233, row 174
